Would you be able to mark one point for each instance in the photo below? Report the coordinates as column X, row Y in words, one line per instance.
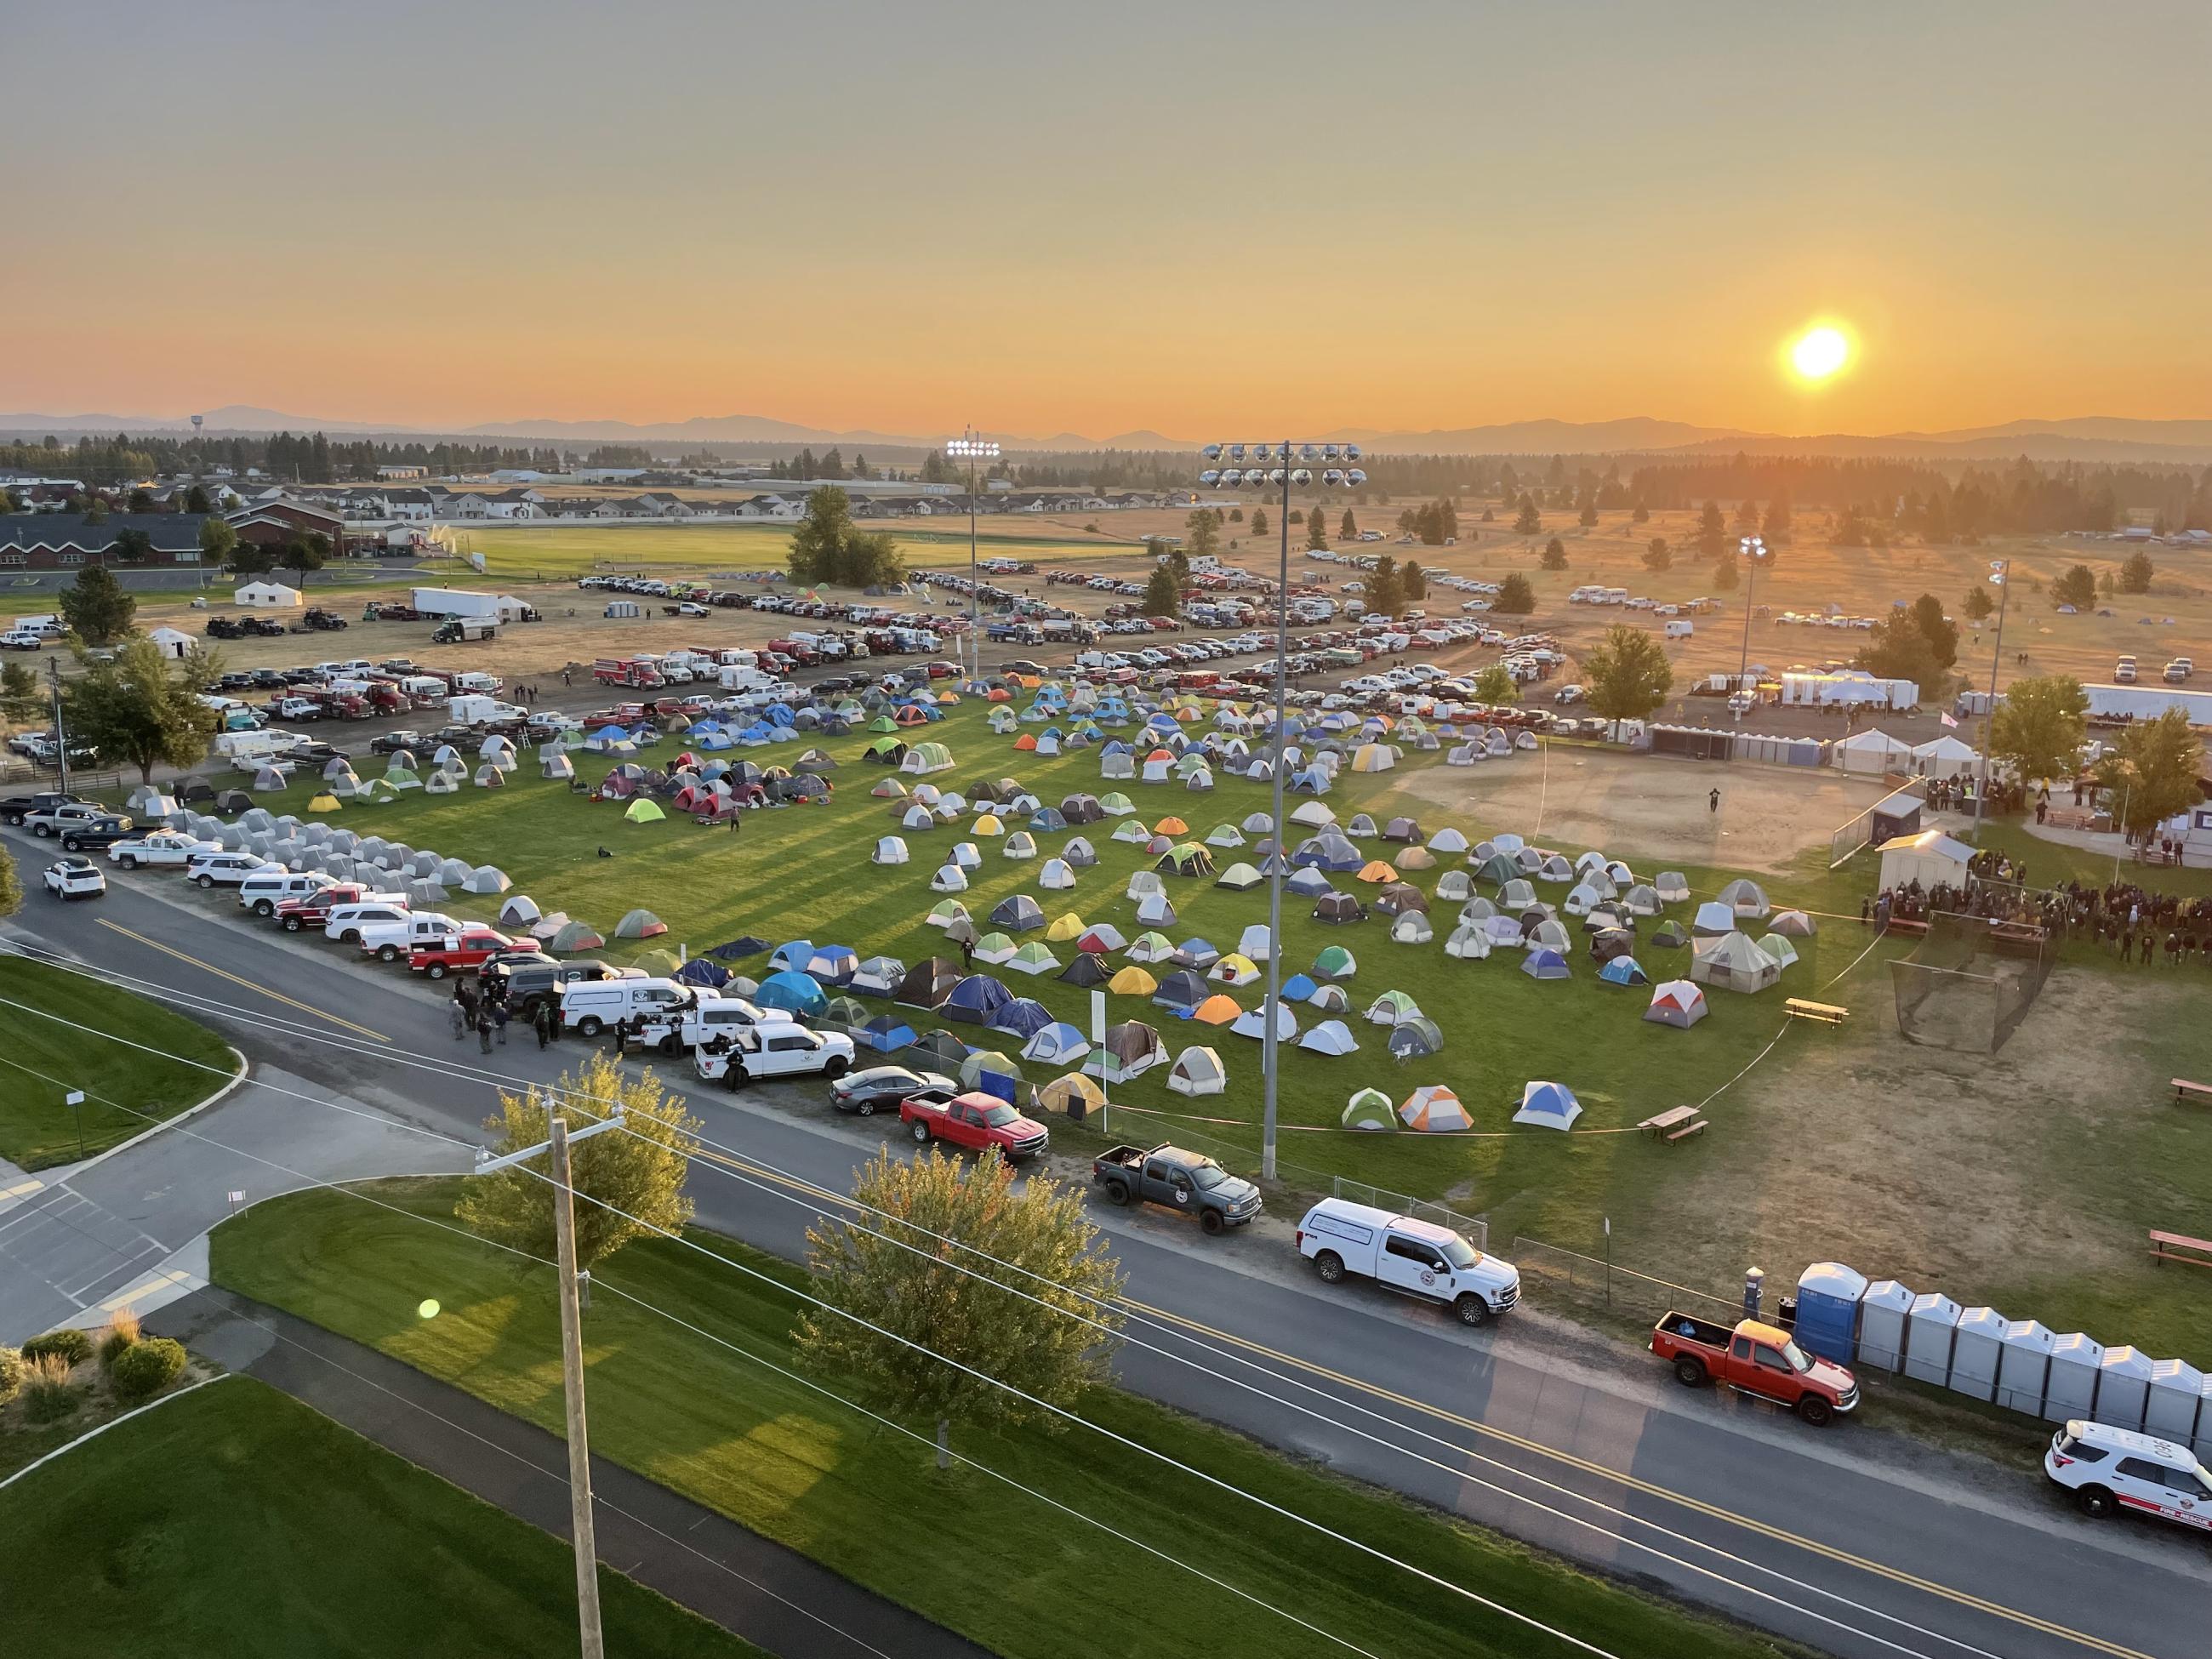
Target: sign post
column 75, row 1101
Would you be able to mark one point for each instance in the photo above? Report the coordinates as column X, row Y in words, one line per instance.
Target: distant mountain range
column 2086, row 438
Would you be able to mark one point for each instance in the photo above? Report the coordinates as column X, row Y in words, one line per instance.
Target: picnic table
column 1676, row 1123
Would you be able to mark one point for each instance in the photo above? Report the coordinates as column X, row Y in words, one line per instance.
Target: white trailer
column 2147, row 702
column 464, row 603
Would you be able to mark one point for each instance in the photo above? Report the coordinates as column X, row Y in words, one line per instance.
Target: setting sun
column 1820, row 352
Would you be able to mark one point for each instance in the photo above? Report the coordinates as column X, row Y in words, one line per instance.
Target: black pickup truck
column 16, row 808
column 1180, row 1180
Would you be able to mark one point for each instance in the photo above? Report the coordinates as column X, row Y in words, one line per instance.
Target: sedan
column 158, row 849
column 75, row 878
column 882, row 1088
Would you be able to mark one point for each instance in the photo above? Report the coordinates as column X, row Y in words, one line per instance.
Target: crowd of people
column 481, row 1007
column 2127, row 920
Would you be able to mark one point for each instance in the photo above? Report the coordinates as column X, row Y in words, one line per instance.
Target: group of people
column 1956, row 794
column 481, row 1007
column 2131, row 922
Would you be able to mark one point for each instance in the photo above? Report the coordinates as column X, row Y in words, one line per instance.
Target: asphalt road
column 1855, row 1539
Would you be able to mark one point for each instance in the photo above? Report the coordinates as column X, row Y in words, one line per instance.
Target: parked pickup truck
column 57, row 820
column 396, row 940
column 462, row 952
column 95, row 834
column 1754, row 1359
column 1411, row 1256
column 313, row 910
column 700, row 1022
column 1183, row 1181
column 973, row 1121
column 774, row 1051
column 16, row 808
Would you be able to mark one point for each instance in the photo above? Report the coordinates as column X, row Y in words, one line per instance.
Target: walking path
column 771, row 1596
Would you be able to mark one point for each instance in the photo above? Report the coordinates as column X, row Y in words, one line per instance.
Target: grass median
column 55, row 1033
column 979, row 1555
column 235, row 1519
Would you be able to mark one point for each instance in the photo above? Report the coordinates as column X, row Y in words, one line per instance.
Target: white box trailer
column 467, row 604
column 2147, row 702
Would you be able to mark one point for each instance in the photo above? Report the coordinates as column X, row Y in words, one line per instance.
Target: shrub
column 11, row 1372
column 48, row 1393
column 144, row 1369
column 121, row 1333
column 71, row 1347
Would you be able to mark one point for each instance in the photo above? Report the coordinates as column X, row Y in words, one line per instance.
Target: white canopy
column 1929, row 858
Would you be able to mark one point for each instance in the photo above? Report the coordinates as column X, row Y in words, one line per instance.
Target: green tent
column 1334, row 962
column 1369, row 1108
column 645, row 812
column 883, row 723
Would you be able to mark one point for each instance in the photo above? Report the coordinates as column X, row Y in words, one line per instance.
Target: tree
column 217, row 538
column 1778, row 527
column 1317, row 532
column 1346, row 529
column 1496, row 684
column 1978, row 605
column 1628, row 675
column 133, row 710
column 1587, row 517
column 95, row 510
column 133, row 545
column 1940, row 631
column 640, row 1170
column 1514, row 597
column 2137, row 572
column 826, row 547
column 1413, row 581
column 833, row 465
column 248, row 558
column 861, row 467
column 20, row 697
column 1555, row 555
column 1657, row 557
column 95, row 607
column 2152, row 771
column 1899, row 650
column 303, row 554
column 1259, row 521
column 1528, row 521
column 1237, row 514
column 11, row 886
column 1204, row 525
column 141, row 500
column 889, row 1269
column 2077, row 587
column 1726, row 577
column 1642, row 514
column 1381, row 591
column 2041, row 725
column 1162, row 596
column 1712, row 531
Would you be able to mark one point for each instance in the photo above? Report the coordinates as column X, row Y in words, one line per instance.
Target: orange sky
column 1450, row 215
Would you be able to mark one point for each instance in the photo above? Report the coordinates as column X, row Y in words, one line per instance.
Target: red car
column 294, row 915
column 465, row 950
column 973, row 1121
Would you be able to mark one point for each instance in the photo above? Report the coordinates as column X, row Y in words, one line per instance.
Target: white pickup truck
column 395, row 941
column 1413, row 1258
column 708, row 1016
column 759, row 1051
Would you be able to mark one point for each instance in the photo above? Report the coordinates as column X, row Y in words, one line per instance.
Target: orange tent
column 1027, row 740
column 1375, row 870
column 1167, row 826
column 1217, row 1011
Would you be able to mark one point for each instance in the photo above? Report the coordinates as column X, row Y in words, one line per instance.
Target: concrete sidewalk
column 768, row 1595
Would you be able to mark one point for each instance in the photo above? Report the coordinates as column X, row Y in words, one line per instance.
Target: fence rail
column 1474, row 1228
column 1534, row 1255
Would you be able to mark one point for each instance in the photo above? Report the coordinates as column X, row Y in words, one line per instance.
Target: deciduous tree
column 640, row 1170
column 1628, row 675
column 1202, row 535
column 2077, row 587
column 1900, row 651
column 217, row 539
column 890, row 1280
column 301, row 554
column 133, row 545
column 1496, row 684
column 136, row 712
column 1978, row 605
column 2152, row 771
column 827, row 548
column 95, row 606
column 2041, row 725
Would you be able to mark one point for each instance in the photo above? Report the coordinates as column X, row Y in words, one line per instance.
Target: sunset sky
column 1192, row 218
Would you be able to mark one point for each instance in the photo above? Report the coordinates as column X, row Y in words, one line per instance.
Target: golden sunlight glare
column 1820, row 352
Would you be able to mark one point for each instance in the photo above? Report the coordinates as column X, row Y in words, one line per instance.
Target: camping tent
column 1745, row 898
column 1130, row 1048
column 1929, row 858
column 1057, row 1044
column 1434, row 1109
column 1198, row 1070
column 1548, row 1106
column 1368, row 1108
column 976, row 999
column 1545, row 964
column 1331, row 1036
column 1734, row 963
column 890, row 849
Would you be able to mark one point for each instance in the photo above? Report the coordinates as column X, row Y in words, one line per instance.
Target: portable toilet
column 2204, row 1424
column 1881, row 1324
column 1828, row 1296
column 1976, row 1348
column 2123, row 1387
column 2072, row 1388
column 2177, row 1395
column 1929, row 1329
column 2023, row 1368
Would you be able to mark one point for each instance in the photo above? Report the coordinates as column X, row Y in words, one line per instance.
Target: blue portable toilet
column 1828, row 1296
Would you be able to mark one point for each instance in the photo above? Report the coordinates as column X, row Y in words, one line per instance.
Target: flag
column 1950, row 722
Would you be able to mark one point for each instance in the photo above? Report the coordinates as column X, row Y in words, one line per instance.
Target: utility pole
column 61, row 735
column 571, row 1366
column 2000, row 573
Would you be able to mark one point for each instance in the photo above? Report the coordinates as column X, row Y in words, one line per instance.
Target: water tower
column 198, row 421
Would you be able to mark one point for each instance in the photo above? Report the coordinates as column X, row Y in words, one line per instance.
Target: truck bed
column 1678, row 1330
column 1121, row 1157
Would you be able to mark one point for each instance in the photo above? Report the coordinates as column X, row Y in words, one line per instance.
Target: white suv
column 2109, row 1470
column 224, row 869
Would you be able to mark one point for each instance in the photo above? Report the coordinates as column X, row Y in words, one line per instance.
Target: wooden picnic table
column 1659, row 1123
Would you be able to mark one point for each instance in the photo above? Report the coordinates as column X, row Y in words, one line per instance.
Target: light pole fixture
column 971, row 449
column 1269, row 466
column 1755, row 553
column 2000, row 573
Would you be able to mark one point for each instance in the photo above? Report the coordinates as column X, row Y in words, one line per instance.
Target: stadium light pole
column 971, row 449
column 2000, row 578
column 1755, row 553
column 1277, row 463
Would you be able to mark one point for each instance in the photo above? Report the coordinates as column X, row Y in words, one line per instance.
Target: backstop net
column 1971, row 981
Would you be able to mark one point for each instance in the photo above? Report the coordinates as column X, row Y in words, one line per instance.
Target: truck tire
column 436, row 970
column 265, row 908
column 920, row 1132
column 1211, row 1221
column 1690, row 1371
column 1330, row 1266
column 40, row 830
column 70, row 844
column 2096, row 1503
column 670, row 1046
column 204, row 881
column 734, row 1078
column 1815, row 1409
column 350, row 936
column 1472, row 1310
column 589, row 1027
column 16, row 820
column 128, row 860
column 387, row 953
column 291, row 924
column 1117, row 1192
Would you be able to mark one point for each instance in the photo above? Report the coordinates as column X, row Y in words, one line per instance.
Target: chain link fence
column 1474, row 1228
column 1595, row 1275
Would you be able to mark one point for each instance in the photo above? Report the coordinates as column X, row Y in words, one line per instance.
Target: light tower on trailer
column 971, row 449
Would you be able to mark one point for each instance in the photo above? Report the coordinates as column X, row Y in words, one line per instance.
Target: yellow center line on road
column 1711, row 1511
column 236, row 979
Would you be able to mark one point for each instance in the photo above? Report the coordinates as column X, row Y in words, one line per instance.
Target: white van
column 225, row 869
column 590, row 1008
column 1414, row 1258
column 264, row 889
column 346, row 922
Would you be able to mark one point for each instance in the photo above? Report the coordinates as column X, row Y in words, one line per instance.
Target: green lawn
column 36, row 1129
column 235, row 1519
column 1023, row 1578
column 568, row 551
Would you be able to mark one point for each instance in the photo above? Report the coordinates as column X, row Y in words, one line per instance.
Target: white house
column 171, row 643
column 267, row 595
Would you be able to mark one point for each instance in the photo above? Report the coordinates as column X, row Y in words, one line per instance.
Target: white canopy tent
column 1928, row 858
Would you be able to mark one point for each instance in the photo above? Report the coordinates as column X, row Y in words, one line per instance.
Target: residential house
column 55, row 541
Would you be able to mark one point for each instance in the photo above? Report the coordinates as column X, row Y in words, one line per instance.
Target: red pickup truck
column 973, row 1121
column 1755, row 1359
column 463, row 951
column 294, row 916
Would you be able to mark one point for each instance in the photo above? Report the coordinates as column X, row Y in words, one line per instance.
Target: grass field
column 564, row 550
column 1024, row 1579
column 36, row 1128
column 234, row 1520
column 1857, row 1140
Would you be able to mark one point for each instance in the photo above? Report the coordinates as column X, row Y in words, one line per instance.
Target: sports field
column 555, row 551
column 1846, row 1144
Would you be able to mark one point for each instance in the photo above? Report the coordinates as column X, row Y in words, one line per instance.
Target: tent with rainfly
column 794, row 993
column 1676, row 1002
column 1057, row 1044
column 1368, row 1108
column 1548, row 1106
column 1434, row 1109
column 1130, row 1048
column 1198, row 1070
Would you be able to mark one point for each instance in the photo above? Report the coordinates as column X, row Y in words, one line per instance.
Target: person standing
column 484, row 1029
column 1713, row 800
column 548, row 1023
column 622, row 1039
column 459, row 1011
column 499, row 1018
